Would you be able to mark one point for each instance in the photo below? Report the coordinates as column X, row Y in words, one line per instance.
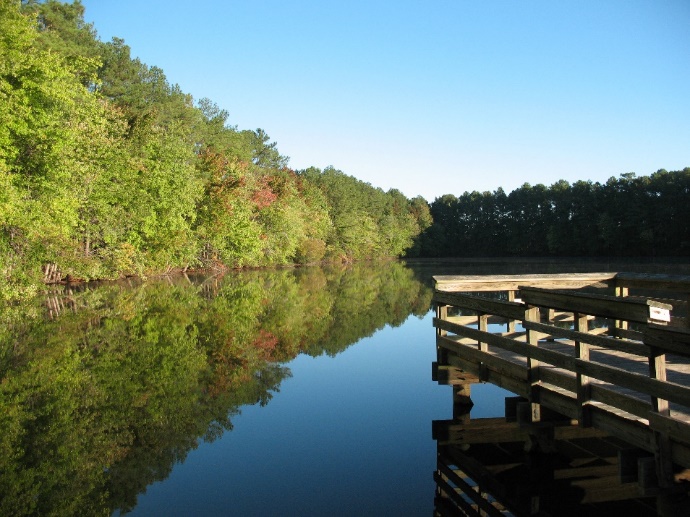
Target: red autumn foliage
column 264, row 195
column 263, row 198
column 265, row 340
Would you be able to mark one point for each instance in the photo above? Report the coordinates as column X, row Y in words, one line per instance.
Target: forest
column 107, row 170
column 629, row 216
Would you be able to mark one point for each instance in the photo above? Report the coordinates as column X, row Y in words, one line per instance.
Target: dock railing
column 611, row 361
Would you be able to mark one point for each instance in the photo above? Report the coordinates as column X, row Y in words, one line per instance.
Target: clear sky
column 434, row 97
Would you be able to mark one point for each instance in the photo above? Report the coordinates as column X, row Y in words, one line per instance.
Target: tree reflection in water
column 104, row 389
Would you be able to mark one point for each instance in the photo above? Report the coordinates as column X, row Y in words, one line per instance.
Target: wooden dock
column 604, row 353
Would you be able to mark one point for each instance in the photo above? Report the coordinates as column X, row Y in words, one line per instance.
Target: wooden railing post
column 621, row 291
column 662, row 444
column 532, row 314
column 441, row 353
column 483, row 326
column 511, row 323
column 442, row 314
column 657, row 370
column 583, row 382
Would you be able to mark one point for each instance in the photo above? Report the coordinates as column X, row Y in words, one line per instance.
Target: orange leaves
column 226, row 177
column 233, row 363
column 265, row 340
column 263, row 198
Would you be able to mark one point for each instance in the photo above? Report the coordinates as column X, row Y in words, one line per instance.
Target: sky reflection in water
column 346, row 435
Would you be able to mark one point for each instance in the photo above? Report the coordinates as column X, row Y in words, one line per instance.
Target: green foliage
column 46, row 114
column 106, row 169
column 163, row 197
column 101, row 395
column 264, row 152
column 226, row 226
column 62, row 29
column 366, row 222
column 626, row 216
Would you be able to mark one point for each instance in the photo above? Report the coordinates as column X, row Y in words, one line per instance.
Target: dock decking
column 604, row 352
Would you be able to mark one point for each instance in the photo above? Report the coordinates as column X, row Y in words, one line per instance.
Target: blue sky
column 434, row 97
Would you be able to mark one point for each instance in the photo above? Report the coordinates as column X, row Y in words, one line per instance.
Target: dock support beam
column 583, row 382
column 532, row 314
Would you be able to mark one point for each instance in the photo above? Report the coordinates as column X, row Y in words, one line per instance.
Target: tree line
column 626, row 216
column 107, row 169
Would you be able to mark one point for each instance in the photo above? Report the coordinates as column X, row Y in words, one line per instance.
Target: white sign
column 655, row 313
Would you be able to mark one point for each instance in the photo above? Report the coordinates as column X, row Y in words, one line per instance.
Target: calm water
column 346, row 435
column 289, row 392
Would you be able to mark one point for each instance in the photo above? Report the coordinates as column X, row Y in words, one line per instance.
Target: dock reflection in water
column 500, row 466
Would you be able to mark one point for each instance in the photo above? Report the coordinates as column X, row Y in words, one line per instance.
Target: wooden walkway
column 578, row 349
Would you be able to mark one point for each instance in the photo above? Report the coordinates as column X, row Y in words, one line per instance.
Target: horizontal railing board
column 564, row 380
column 633, row 335
column 499, row 364
column 504, row 374
column 458, row 362
column 674, row 302
column 631, row 347
column 627, row 403
column 631, row 431
column 679, row 321
column 599, row 393
column 679, row 283
column 626, row 308
column 673, row 427
column 510, row 310
column 559, row 402
column 567, row 404
column 675, row 340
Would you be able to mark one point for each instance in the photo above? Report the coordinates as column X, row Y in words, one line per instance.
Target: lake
column 282, row 392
